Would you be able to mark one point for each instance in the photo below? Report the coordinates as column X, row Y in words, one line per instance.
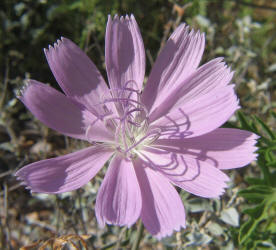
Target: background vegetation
column 243, row 32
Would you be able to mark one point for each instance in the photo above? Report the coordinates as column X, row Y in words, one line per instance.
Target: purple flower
column 167, row 133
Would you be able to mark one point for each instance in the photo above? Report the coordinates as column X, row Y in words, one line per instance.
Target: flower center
column 130, row 123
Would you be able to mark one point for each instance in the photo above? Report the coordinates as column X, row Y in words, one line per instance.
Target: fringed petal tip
column 20, row 174
column 255, row 155
column 221, row 193
column 55, row 45
column 184, row 27
column 22, row 182
column 20, row 92
column 124, row 52
column 21, row 178
column 70, row 65
column 220, row 190
column 121, row 18
column 64, row 173
column 27, row 187
column 103, row 223
column 17, row 177
column 169, row 233
column 30, row 189
column 255, row 137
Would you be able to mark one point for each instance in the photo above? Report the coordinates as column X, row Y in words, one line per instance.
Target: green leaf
column 265, row 170
column 265, row 128
column 256, row 212
column 258, row 189
column 244, row 123
column 246, row 230
column 267, row 141
column 273, row 177
column 264, row 212
column 256, row 193
column 269, row 156
column 273, row 114
column 253, row 198
column 254, row 181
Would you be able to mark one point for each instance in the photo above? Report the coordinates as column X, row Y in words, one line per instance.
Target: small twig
column 11, row 133
column 57, row 214
column 119, row 241
column 87, row 47
column 11, row 172
column 140, row 230
column 165, row 35
column 81, row 212
column 265, row 7
column 204, row 218
column 151, row 61
column 109, row 245
column 6, row 173
column 179, row 240
column 11, row 188
column 173, row 23
column 4, row 91
column 6, row 215
column 43, row 225
column 98, row 46
column 233, row 197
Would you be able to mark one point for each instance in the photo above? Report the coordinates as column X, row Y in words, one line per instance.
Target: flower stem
column 140, row 230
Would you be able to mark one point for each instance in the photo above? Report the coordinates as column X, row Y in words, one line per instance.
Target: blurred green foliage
column 240, row 31
column 259, row 231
